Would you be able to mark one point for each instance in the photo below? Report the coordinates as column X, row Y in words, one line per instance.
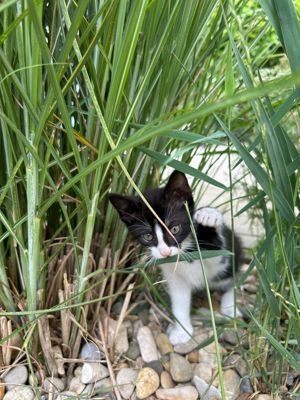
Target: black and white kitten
column 182, row 277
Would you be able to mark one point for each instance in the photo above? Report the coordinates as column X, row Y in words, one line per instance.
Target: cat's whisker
column 187, row 256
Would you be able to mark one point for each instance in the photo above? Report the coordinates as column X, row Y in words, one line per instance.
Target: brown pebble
column 244, row 396
column 166, row 380
column 163, row 343
column 123, row 365
column 165, row 360
column 147, row 383
column 193, row 357
column 2, row 390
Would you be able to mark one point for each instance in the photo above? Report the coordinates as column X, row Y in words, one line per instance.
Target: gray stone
column 67, row 395
column 192, row 344
column 133, row 351
column 204, row 371
column 54, row 385
column 231, row 384
column 246, row 386
column 102, row 387
column 126, row 379
column 178, row 393
column 93, row 372
column 235, row 361
column 16, row 376
column 76, row 385
column 128, row 325
column 147, row 344
column 147, row 383
column 207, row 355
column 156, row 365
column 90, row 351
column 119, row 340
column 144, row 316
column 19, row 393
column 181, row 370
column 206, row 391
column 235, row 337
column 230, row 336
column 117, row 307
column 291, row 376
column 136, row 326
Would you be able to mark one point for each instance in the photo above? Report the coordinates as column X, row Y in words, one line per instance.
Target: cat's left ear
column 178, row 189
column 129, row 208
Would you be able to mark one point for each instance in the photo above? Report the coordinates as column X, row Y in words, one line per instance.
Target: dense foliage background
column 99, row 96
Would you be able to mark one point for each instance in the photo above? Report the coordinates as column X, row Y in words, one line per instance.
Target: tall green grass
column 99, row 96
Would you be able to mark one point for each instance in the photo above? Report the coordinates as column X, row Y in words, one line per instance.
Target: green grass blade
column 180, row 166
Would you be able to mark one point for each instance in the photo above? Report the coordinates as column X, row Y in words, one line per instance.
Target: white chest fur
column 192, row 273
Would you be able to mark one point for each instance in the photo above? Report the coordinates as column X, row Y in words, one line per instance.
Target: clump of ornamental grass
column 102, row 96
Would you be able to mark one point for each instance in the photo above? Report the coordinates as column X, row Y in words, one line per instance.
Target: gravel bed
column 139, row 362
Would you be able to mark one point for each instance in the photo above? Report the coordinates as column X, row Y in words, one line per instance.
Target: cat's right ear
column 128, row 207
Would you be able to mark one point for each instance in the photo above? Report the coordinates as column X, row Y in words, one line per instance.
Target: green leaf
column 263, row 279
column 262, row 178
column 180, row 166
column 278, row 346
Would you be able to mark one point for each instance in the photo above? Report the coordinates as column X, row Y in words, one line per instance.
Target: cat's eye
column 148, row 237
column 175, row 229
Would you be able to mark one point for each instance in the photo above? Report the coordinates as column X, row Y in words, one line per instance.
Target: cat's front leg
column 207, row 216
column 228, row 307
column 180, row 293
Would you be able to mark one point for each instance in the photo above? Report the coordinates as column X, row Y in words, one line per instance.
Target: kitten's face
column 168, row 203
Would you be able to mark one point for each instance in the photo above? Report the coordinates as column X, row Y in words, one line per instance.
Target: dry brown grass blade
column 45, row 340
column 65, row 318
column 103, row 262
column 56, row 281
column 159, row 311
column 58, row 356
column 115, row 264
column 109, row 366
column 6, row 330
column 121, row 318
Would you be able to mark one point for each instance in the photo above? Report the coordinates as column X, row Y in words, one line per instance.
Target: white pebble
column 210, row 391
column 67, row 395
column 126, row 379
column 147, row 344
column 99, row 387
column 178, row 393
column 119, row 341
column 16, row 376
column 90, row 351
column 93, row 372
column 76, row 385
column 19, row 393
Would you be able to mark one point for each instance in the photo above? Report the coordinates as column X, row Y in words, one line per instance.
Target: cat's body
column 182, row 277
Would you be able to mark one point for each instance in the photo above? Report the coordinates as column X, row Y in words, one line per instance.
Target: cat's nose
column 166, row 252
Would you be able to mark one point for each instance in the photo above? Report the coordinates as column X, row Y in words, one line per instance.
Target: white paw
column 178, row 335
column 208, row 217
